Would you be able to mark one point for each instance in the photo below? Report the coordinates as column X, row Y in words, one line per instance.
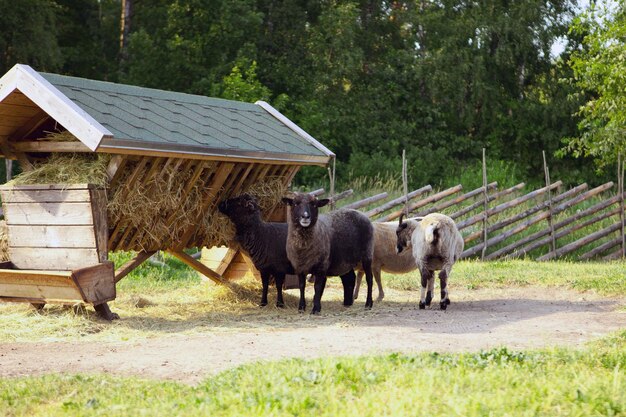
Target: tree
column 28, row 35
column 600, row 74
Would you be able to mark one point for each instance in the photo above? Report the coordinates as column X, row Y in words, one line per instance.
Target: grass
column 158, row 301
column 498, row 382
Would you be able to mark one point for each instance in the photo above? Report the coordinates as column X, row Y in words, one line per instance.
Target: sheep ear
column 288, row 201
column 322, row 202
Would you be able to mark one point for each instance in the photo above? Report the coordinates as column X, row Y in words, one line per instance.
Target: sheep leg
column 443, row 283
column 280, row 280
column 265, row 279
column 357, row 286
column 367, row 267
column 426, row 277
column 320, row 284
column 348, row 281
column 431, row 288
column 302, row 285
column 377, row 276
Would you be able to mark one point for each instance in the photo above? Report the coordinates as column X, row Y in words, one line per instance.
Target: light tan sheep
column 436, row 244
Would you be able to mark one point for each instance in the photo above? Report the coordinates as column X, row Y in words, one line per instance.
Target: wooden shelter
column 215, row 148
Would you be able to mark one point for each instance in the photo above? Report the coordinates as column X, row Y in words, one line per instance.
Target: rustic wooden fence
column 542, row 224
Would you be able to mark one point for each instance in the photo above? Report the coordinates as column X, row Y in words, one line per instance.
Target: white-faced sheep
column 436, row 245
column 264, row 242
column 386, row 257
column 328, row 245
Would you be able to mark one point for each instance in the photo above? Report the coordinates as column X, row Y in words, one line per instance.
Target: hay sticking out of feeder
column 66, row 168
column 218, row 230
column 161, row 208
column 4, row 242
column 64, row 136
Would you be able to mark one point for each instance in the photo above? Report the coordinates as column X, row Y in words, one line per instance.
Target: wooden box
column 57, row 244
column 55, row 227
column 94, row 284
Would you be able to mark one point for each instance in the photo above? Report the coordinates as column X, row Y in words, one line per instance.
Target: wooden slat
column 128, row 267
column 211, row 199
column 51, row 236
column 62, row 259
column 421, row 203
column 581, row 242
column 45, row 196
column 50, row 146
column 100, row 226
column 38, row 285
column 198, row 266
column 48, row 214
column 96, row 282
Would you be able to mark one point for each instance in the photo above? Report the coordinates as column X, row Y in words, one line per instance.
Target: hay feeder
column 157, row 164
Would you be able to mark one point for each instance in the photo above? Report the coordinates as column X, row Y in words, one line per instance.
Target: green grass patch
column 502, row 382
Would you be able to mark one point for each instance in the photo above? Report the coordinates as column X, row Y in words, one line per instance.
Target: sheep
column 328, row 244
column 386, row 258
column 436, row 245
column 264, row 242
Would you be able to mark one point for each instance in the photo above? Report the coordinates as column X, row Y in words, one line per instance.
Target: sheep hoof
column 315, row 312
column 348, row 304
column 443, row 305
column 280, row 305
column 422, row 305
column 369, row 305
column 263, row 304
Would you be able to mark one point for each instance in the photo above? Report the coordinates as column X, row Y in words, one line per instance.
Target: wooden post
column 405, row 186
column 486, row 206
column 331, row 174
column 620, row 174
column 550, row 213
column 491, row 198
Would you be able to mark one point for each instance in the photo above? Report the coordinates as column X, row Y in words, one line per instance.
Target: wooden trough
column 211, row 149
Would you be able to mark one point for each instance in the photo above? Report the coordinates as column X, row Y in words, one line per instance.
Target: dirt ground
column 477, row 319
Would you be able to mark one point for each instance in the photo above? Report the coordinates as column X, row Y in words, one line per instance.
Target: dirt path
column 478, row 319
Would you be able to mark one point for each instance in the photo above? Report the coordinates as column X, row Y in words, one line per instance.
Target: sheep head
column 403, row 235
column 304, row 209
column 239, row 207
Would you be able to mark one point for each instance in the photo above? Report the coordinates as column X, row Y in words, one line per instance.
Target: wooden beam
column 198, row 266
column 50, row 146
column 128, row 267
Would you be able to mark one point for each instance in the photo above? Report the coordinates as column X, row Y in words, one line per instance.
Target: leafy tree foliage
column 600, row 75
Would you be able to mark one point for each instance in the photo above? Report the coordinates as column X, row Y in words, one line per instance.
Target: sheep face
column 239, row 207
column 403, row 234
column 304, row 209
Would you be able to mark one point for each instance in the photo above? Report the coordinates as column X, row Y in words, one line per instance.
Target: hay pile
column 67, row 168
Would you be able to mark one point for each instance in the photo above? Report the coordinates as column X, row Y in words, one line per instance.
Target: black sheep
column 328, row 245
column 264, row 242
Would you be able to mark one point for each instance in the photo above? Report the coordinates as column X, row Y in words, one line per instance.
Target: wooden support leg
column 105, row 312
column 38, row 306
column 125, row 269
column 198, row 266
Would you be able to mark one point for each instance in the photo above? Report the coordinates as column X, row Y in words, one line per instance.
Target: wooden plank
column 396, row 201
column 100, row 225
column 17, row 110
column 45, row 196
column 504, row 206
column 366, row 201
column 51, row 236
column 128, row 267
column 48, row 214
column 602, row 248
column 198, row 266
column 41, row 292
column 414, row 206
column 561, row 207
column 210, row 201
column 541, row 206
column 61, row 108
column 62, row 259
column 491, row 198
column 580, row 242
column 454, row 201
column 96, row 282
column 60, row 187
column 50, row 146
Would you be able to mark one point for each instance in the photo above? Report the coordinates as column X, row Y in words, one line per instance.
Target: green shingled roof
column 145, row 118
